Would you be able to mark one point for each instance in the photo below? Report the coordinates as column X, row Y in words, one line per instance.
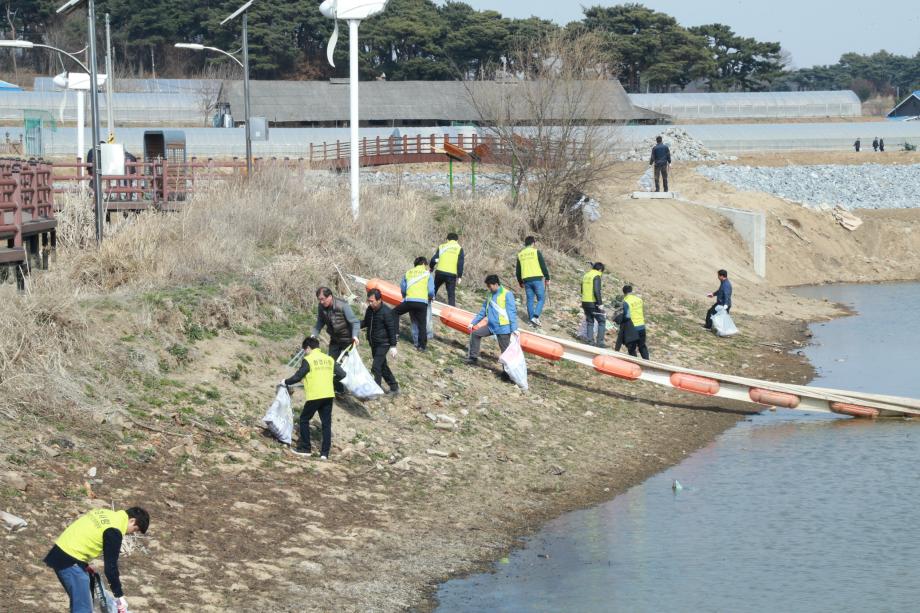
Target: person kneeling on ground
column 634, row 312
column 417, row 287
column 381, row 335
column 500, row 313
column 319, row 372
column 592, row 303
column 340, row 322
column 723, row 297
column 95, row 532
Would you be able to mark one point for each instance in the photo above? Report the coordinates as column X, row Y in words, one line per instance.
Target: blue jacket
column 724, row 293
column 402, row 288
column 488, row 312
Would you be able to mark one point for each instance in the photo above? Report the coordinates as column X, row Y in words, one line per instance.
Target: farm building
column 909, row 108
column 752, row 105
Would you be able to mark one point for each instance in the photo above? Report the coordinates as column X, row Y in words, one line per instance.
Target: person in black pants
column 447, row 264
column 319, row 372
column 417, row 287
column 382, row 336
column 723, row 296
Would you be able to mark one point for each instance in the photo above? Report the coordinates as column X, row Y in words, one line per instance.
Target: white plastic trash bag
column 358, row 378
column 722, row 323
column 279, row 419
column 582, row 333
column 515, row 364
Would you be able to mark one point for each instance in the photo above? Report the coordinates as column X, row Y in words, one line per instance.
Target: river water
column 787, row 511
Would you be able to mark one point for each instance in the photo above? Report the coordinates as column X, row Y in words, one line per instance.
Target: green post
column 450, row 172
column 473, row 171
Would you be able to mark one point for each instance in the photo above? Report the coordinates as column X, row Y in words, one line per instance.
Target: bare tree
column 551, row 117
column 208, row 91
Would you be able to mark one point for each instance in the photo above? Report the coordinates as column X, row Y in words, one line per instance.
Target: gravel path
column 867, row 186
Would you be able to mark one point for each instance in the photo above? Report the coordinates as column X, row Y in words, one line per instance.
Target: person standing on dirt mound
column 723, row 297
column 533, row 277
column 319, row 373
column 340, row 322
column 382, row 333
column 661, row 160
column 447, row 264
column 99, row 531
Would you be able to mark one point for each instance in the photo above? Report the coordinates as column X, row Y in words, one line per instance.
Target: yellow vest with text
column 417, row 283
column 502, row 303
column 636, row 313
column 448, row 257
column 587, row 285
column 530, row 263
column 318, row 382
column 82, row 539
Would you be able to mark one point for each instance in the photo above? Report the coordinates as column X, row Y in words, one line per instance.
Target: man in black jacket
column 661, row 159
column 382, row 335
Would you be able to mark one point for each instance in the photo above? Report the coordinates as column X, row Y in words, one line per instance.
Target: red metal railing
column 26, row 208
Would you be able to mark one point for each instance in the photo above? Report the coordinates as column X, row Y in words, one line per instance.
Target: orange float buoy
column 390, row 292
column 695, row 383
column 773, row 399
column 854, row 410
column 615, row 367
column 455, row 318
column 542, row 347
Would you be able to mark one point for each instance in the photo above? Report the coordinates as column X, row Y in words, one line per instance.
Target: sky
column 813, row 31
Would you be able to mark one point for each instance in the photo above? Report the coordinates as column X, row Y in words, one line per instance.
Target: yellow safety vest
column 448, row 257
column 318, row 382
column 587, row 285
column 417, row 283
column 530, row 263
column 82, row 540
column 636, row 313
column 499, row 305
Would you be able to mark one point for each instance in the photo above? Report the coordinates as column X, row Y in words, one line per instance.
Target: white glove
column 355, row 341
column 122, row 604
column 392, row 352
column 516, row 333
column 459, row 280
column 282, row 383
column 601, row 309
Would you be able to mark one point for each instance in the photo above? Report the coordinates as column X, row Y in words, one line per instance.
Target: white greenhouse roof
column 752, row 105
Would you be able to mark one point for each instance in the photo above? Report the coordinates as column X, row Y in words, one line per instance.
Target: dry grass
column 262, row 248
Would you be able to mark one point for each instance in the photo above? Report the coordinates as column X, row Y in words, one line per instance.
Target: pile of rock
column 684, row 148
column 865, row 186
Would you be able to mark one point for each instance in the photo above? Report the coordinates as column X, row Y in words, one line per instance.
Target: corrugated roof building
column 416, row 103
column 753, row 105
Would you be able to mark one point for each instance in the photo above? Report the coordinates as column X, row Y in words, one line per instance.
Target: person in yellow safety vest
column 319, row 372
column 417, row 288
column 500, row 312
column 99, row 531
column 634, row 310
column 592, row 303
column 533, row 277
column 447, row 263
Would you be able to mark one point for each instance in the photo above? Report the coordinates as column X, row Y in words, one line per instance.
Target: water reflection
column 788, row 511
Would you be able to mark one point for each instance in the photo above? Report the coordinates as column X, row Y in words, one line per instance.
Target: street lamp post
column 94, row 105
column 244, row 10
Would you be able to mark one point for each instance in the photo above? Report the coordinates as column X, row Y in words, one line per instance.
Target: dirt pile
column 684, row 148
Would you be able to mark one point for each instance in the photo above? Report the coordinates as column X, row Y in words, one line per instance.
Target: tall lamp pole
column 244, row 10
column 94, row 105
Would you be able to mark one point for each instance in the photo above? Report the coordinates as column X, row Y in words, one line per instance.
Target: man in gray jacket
column 336, row 316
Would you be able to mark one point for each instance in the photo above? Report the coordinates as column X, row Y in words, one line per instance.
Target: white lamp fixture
column 353, row 11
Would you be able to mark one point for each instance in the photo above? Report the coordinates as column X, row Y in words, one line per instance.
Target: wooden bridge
column 27, row 223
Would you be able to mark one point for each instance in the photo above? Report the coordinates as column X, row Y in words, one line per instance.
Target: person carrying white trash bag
column 318, row 372
column 500, row 312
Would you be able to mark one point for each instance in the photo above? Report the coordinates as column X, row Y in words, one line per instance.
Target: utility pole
column 246, row 93
column 110, row 81
column 94, row 107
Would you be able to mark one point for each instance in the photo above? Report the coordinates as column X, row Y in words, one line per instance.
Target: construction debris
column 684, row 148
column 846, row 219
column 11, row 522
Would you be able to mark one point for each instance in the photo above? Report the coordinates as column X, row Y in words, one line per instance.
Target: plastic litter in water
column 676, row 486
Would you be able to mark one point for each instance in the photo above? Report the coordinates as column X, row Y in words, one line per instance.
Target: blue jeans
column 76, row 582
column 535, row 289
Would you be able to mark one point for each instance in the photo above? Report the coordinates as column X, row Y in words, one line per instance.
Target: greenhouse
column 752, row 105
column 131, row 109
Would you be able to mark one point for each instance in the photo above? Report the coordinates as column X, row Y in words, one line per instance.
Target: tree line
column 420, row 39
